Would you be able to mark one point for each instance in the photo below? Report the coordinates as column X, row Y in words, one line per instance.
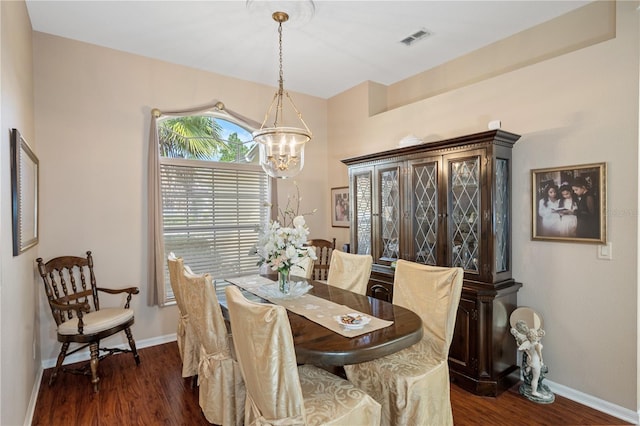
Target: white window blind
column 212, row 214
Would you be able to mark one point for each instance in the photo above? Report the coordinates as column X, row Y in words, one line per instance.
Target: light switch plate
column 605, row 252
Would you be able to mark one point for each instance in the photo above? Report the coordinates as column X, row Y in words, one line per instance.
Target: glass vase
column 283, row 281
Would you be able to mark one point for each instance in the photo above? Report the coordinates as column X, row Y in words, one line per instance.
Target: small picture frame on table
column 340, row 207
column 569, row 203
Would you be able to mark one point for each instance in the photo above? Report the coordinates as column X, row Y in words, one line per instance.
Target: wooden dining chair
column 278, row 390
column 188, row 342
column 350, row 271
column 74, row 301
column 221, row 391
column 323, row 250
column 412, row 385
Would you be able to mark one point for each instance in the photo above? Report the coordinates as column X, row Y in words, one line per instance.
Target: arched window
column 214, row 193
column 205, row 137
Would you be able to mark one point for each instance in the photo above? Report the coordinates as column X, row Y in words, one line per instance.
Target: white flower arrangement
column 281, row 245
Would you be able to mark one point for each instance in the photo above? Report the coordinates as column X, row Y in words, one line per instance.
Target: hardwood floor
column 154, row 393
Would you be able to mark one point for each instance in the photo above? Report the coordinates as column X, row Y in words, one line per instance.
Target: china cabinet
column 447, row 203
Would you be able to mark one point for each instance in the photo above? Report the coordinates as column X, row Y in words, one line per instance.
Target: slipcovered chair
column 304, row 267
column 278, row 391
column 350, row 271
column 323, row 250
column 221, row 389
column 75, row 305
column 413, row 385
column 188, row 342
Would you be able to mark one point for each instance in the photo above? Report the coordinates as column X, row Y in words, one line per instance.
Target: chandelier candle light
column 281, row 148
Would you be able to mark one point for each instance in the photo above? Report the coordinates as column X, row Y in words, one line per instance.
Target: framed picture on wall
column 569, row 203
column 340, row 207
column 24, row 194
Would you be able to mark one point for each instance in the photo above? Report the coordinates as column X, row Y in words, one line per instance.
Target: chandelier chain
column 281, row 74
column 279, row 107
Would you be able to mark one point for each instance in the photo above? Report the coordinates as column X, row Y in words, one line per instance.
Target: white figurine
column 533, row 347
column 528, row 341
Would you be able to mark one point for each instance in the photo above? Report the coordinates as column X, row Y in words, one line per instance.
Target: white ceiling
column 328, row 46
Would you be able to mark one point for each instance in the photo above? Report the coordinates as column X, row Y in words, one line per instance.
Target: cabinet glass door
column 424, row 188
column 362, row 212
column 464, row 216
column 501, row 209
column 389, row 215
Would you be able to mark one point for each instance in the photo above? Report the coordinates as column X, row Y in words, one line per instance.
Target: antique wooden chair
column 73, row 299
column 323, row 249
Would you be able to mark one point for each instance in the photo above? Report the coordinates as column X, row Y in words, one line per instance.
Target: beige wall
column 577, row 108
column 92, row 118
column 18, row 319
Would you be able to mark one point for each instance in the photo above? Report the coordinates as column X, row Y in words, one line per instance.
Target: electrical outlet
column 605, row 252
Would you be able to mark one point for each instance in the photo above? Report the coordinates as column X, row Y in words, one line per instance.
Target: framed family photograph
column 569, row 203
column 340, row 207
column 24, row 194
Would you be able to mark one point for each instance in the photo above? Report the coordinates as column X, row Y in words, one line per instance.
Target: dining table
column 319, row 345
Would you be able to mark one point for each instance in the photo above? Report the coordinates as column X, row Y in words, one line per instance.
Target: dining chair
column 188, row 342
column 323, row 249
column 304, row 268
column 74, row 301
column 412, row 385
column 221, row 389
column 278, row 390
column 350, row 271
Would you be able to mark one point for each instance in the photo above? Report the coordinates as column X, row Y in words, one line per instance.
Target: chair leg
column 93, row 349
column 132, row 345
column 61, row 356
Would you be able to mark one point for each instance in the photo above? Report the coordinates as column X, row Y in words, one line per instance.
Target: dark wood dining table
column 315, row 344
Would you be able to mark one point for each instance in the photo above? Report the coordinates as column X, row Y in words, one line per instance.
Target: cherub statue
column 533, row 367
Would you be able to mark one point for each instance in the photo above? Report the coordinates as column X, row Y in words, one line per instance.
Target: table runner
column 314, row 308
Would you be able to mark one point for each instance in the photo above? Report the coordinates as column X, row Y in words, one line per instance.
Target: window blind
column 212, row 215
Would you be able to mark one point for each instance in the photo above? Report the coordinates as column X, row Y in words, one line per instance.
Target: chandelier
column 281, row 147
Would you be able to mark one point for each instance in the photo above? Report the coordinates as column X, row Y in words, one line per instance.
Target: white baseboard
column 595, row 403
column 82, row 356
column 28, row 418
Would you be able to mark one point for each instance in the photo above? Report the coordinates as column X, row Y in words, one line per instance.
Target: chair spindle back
column 323, row 249
column 65, row 283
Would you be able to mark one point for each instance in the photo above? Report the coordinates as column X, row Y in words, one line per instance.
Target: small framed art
column 24, row 194
column 569, row 203
column 340, row 207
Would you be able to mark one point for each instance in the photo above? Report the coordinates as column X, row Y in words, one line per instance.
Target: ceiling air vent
column 418, row 35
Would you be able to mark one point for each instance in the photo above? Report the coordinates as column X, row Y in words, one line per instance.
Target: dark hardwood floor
column 154, row 393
